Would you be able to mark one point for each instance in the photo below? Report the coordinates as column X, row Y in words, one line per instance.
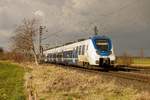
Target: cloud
column 39, row 13
column 120, row 19
column 83, row 13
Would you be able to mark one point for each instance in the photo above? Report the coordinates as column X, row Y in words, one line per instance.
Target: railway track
column 129, row 74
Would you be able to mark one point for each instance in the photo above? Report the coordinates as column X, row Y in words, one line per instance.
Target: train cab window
column 102, row 44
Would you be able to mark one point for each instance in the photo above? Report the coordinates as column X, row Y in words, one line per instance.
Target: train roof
column 100, row 37
column 83, row 39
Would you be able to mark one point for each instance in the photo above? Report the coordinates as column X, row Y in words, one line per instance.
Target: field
column 134, row 61
column 11, row 82
column 141, row 61
column 51, row 82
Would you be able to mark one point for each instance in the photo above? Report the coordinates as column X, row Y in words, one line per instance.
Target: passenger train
column 95, row 51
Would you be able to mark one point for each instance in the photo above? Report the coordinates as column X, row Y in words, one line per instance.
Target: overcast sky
column 127, row 22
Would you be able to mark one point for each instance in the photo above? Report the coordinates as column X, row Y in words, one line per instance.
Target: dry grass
column 133, row 61
column 56, row 83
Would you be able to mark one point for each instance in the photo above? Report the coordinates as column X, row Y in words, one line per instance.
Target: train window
column 67, row 54
column 58, row 55
column 77, row 50
column 83, row 49
column 54, row 55
column 47, row 55
column 70, row 54
column 64, row 54
column 87, row 47
column 80, row 50
column 73, row 53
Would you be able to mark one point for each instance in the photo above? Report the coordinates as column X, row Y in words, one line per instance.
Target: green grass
column 11, row 82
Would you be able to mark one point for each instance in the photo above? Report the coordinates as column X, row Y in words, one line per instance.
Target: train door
column 74, row 56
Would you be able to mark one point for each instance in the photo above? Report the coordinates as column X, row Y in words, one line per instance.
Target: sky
column 126, row 22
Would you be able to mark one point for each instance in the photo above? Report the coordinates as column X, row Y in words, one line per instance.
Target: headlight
column 110, row 52
column 97, row 52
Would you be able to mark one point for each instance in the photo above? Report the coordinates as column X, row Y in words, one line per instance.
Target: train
column 94, row 51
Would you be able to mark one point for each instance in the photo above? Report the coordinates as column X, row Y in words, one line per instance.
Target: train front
column 104, row 50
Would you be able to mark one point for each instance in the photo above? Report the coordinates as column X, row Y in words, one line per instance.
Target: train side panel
column 81, row 53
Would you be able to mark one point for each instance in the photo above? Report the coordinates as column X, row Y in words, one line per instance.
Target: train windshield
column 102, row 44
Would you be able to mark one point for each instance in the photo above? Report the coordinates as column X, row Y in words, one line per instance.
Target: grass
column 139, row 62
column 11, row 82
column 55, row 83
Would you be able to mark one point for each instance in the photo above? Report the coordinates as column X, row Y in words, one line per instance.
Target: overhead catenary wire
column 111, row 13
column 92, row 22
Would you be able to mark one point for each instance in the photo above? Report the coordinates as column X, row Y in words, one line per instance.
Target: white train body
column 96, row 51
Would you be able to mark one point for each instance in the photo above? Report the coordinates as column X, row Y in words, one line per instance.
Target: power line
column 55, row 33
column 120, row 9
column 111, row 13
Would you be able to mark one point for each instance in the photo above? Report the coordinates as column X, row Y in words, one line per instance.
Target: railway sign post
column 95, row 30
column 40, row 42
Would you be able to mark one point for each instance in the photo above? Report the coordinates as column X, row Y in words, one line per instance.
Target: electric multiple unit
column 95, row 51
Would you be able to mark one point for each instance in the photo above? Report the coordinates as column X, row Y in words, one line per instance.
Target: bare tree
column 1, row 50
column 1, row 53
column 25, row 39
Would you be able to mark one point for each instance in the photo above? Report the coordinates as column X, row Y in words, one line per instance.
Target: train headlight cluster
column 97, row 52
column 110, row 52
